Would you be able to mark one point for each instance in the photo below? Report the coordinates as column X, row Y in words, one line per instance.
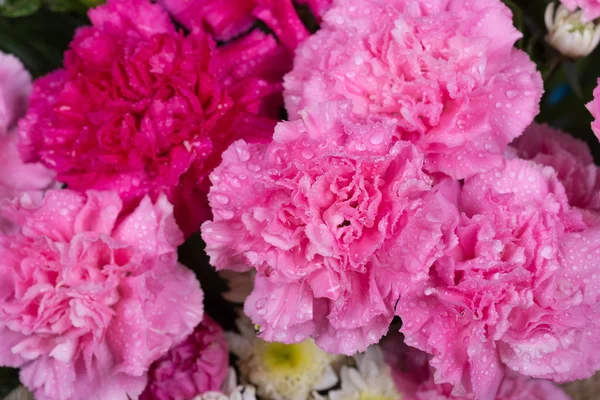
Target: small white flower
column 370, row 380
column 230, row 390
column 568, row 34
column 281, row 371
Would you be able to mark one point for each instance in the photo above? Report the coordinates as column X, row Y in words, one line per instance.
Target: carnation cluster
column 303, row 200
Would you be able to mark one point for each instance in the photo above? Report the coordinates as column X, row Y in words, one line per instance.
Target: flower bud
column 568, row 34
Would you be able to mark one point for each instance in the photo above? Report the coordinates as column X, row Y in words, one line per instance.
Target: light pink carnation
column 446, row 71
column 513, row 387
column 141, row 109
column 229, row 18
column 594, row 108
column 336, row 216
column 590, row 8
column 15, row 85
column 571, row 158
column 15, row 176
column 195, row 366
column 91, row 298
column 518, row 289
column 415, row 379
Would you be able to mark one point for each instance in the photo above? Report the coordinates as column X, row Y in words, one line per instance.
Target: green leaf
column 39, row 40
column 91, row 3
column 572, row 75
column 19, row 8
column 65, row 5
column 9, row 379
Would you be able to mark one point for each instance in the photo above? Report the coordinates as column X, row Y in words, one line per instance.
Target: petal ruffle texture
column 513, row 292
column 229, row 18
column 336, row 216
column 594, row 108
column 571, row 158
column 16, row 177
column 448, row 73
column 416, row 381
column 90, row 297
column 15, row 86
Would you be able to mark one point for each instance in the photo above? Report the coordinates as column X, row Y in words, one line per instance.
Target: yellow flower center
column 286, row 358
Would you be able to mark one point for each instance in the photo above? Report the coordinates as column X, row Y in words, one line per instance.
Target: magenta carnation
column 229, row 18
column 195, row 366
column 90, row 299
column 590, row 8
column 446, row 71
column 336, row 216
column 518, row 289
column 594, row 108
column 571, row 158
column 141, row 109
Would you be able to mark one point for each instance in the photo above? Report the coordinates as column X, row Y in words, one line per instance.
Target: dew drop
column 242, row 153
column 307, row 154
column 222, row 199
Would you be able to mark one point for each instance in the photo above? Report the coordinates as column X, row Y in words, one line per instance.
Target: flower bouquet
column 299, row 200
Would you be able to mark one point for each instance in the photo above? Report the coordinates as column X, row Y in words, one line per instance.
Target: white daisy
column 370, row 380
column 281, row 371
column 568, row 34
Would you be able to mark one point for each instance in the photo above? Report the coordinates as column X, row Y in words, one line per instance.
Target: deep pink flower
column 197, row 365
column 594, row 108
column 141, row 109
column 446, row 71
column 590, row 8
column 518, row 289
column 229, row 18
column 336, row 216
column 91, row 298
column 571, row 158
column 405, row 360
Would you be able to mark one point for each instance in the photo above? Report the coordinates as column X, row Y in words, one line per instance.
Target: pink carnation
column 91, row 298
column 195, row 366
column 415, row 379
column 229, row 18
column 594, row 108
column 518, row 289
column 446, row 71
column 590, row 8
column 15, row 176
column 141, row 109
column 571, row 158
column 15, row 86
column 336, row 216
